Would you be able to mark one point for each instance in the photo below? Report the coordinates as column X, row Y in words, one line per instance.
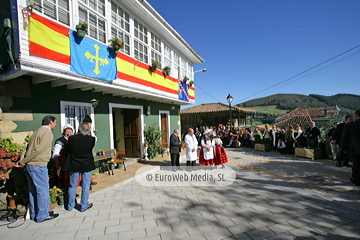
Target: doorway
column 165, row 127
column 126, row 132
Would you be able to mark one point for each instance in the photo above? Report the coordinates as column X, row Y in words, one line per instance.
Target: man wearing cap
column 88, row 120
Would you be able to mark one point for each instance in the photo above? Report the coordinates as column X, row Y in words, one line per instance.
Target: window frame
column 64, row 104
column 42, row 9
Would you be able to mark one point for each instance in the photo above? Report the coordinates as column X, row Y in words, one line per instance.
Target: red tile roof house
column 303, row 117
column 213, row 114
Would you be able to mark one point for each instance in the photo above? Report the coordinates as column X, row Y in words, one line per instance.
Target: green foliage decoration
column 153, row 136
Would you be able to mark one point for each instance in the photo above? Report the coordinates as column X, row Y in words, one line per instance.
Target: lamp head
column 229, row 98
column 94, row 102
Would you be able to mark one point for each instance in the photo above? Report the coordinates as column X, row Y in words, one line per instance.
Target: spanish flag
column 49, row 39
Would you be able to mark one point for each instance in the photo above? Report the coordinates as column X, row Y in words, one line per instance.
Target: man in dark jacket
column 341, row 158
column 351, row 145
column 80, row 161
column 313, row 133
column 175, row 148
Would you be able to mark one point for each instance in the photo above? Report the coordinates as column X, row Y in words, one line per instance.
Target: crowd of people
column 280, row 139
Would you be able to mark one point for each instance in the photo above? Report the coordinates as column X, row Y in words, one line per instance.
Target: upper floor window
column 140, row 32
column 155, row 42
column 96, row 5
column 55, row 9
column 97, row 24
column 168, row 58
column 116, row 32
column 140, row 52
column 120, row 18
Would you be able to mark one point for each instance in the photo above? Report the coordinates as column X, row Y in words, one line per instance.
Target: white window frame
column 57, row 6
column 63, row 104
column 91, row 28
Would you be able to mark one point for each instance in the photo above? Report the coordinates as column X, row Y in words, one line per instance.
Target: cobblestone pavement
column 274, row 197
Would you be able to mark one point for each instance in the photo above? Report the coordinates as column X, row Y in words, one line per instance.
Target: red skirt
column 220, row 156
column 63, row 180
column 203, row 161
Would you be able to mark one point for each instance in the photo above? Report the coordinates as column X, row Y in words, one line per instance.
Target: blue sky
column 251, row 45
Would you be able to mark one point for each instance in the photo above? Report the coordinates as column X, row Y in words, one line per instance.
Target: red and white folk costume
column 220, row 157
column 206, row 157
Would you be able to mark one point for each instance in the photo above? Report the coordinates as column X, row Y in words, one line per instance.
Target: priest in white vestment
column 191, row 148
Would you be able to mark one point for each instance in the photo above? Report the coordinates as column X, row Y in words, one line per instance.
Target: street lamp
column 202, row 70
column 229, row 99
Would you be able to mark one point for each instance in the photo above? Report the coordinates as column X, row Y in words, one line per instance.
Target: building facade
column 47, row 68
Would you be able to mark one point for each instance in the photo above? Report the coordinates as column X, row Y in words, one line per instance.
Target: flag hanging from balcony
column 91, row 58
column 183, row 91
column 48, row 39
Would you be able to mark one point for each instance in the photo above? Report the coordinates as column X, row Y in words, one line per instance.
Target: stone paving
column 274, row 197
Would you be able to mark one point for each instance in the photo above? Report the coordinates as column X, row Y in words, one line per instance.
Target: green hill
column 276, row 105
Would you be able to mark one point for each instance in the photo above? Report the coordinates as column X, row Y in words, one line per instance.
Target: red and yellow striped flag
column 49, row 39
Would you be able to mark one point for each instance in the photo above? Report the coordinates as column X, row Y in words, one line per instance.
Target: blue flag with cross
column 91, row 58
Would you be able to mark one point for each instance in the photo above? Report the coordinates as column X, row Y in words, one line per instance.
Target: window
column 140, row 32
column 155, row 43
column 116, row 32
column 140, row 42
column 140, row 52
column 120, row 18
column 73, row 113
column 167, row 57
column 55, row 9
column 97, row 24
column 120, row 26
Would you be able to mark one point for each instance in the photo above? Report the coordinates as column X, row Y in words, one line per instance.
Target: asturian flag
column 91, row 58
column 183, row 91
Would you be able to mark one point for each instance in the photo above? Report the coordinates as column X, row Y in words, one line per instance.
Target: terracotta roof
column 312, row 112
column 302, row 121
column 214, row 107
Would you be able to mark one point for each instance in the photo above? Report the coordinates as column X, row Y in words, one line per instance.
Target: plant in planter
column 167, row 70
column 116, row 44
column 185, row 79
column 54, row 193
column 191, row 83
column 81, row 29
column 153, row 136
column 155, row 65
column 122, row 154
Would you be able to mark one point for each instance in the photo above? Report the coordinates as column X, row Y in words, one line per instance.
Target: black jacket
column 80, row 157
column 315, row 132
column 175, row 143
column 351, row 138
column 338, row 133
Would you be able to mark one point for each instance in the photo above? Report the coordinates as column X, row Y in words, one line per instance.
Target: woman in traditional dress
column 220, row 157
column 60, row 152
column 206, row 157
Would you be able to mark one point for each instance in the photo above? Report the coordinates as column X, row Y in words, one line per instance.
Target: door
column 132, row 132
column 164, row 128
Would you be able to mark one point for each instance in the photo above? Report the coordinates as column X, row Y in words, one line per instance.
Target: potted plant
column 116, row 44
column 185, row 79
column 153, row 135
column 155, row 65
column 53, row 193
column 60, row 197
column 81, row 29
column 191, row 83
column 167, row 70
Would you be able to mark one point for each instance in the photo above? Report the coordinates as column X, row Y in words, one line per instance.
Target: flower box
column 262, row 147
column 308, row 153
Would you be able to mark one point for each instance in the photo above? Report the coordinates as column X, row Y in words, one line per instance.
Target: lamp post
column 229, row 99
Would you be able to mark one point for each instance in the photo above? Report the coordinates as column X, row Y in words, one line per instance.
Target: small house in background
column 213, row 114
column 303, row 117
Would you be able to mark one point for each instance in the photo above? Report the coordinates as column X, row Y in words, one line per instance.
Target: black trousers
column 356, row 167
column 342, row 158
column 175, row 159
